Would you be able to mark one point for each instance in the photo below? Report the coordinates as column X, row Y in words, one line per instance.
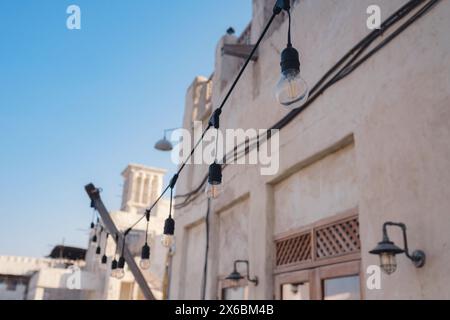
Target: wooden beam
column 94, row 195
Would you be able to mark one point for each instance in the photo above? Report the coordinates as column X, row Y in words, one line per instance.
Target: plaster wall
column 394, row 109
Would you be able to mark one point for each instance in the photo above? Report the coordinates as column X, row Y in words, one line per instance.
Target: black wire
column 205, row 267
column 117, row 246
column 349, row 67
column 249, row 58
column 93, row 216
column 106, row 243
column 289, row 29
column 123, row 243
column 170, row 205
column 146, row 229
column 392, row 36
column 227, row 96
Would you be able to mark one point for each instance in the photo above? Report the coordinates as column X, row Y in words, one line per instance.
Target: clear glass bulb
column 388, row 263
column 167, row 240
column 213, row 190
column 144, row 264
column 113, row 273
column 120, row 273
column 292, row 91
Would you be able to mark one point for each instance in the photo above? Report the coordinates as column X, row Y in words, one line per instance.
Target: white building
column 23, row 278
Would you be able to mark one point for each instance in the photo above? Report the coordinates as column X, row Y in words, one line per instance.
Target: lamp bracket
column 418, row 257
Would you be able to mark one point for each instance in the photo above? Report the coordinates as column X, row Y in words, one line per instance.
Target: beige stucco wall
column 394, row 109
column 323, row 188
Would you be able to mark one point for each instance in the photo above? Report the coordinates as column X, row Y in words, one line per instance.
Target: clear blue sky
column 78, row 106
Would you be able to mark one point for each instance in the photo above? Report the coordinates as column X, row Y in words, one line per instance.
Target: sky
column 77, row 106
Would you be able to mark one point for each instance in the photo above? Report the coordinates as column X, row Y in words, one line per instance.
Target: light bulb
column 120, row 273
column 213, row 190
column 167, row 240
column 145, row 257
column 292, row 90
column 114, row 268
column 214, row 186
column 388, row 262
column 144, row 264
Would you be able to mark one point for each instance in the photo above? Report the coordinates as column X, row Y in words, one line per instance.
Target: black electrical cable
column 249, row 58
column 117, row 246
column 205, row 267
column 146, row 229
column 348, row 67
column 221, row 106
column 123, row 242
column 106, row 243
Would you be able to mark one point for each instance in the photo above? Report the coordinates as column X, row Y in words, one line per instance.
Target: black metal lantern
column 235, row 276
column 104, row 259
column 387, row 251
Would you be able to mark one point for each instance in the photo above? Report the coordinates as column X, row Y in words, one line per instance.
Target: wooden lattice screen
column 294, row 250
column 331, row 240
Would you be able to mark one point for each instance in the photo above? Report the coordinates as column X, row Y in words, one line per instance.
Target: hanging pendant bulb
column 169, row 231
column 214, row 187
column 291, row 91
column 169, row 224
column 145, row 257
column 114, row 268
column 93, row 214
column 145, row 254
column 104, row 258
column 120, row 271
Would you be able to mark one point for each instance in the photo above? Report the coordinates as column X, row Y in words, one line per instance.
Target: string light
column 98, row 251
column 105, row 258
column 114, row 261
column 145, row 254
column 213, row 188
column 169, row 224
column 94, row 238
column 292, row 92
column 120, row 271
column 93, row 214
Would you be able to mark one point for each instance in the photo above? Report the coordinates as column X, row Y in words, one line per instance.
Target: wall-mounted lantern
column 235, row 276
column 387, row 251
